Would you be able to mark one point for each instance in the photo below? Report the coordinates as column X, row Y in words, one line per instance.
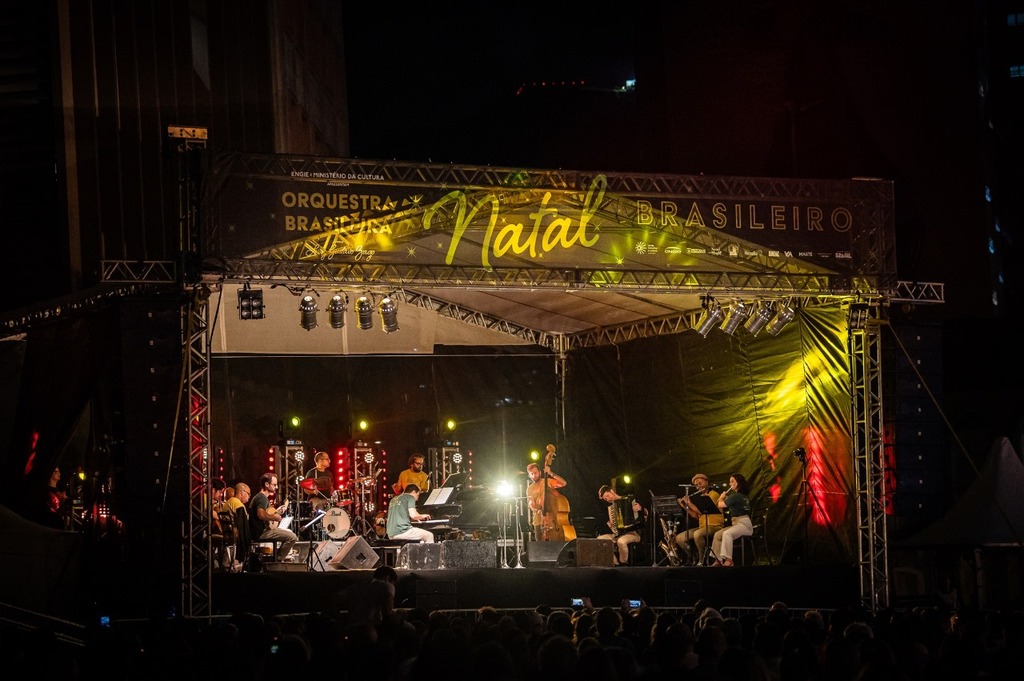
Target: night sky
column 767, row 90
column 796, row 89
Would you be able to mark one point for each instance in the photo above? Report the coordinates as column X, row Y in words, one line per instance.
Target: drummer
column 318, row 486
column 413, row 475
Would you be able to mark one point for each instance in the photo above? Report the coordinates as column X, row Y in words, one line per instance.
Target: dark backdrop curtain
column 661, row 409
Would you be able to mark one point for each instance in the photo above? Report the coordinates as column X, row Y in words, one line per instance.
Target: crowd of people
column 361, row 635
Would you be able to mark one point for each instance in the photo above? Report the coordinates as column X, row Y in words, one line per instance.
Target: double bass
column 555, row 525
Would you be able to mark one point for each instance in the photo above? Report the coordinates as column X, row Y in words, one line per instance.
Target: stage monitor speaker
column 323, row 552
column 587, row 553
column 355, row 554
column 543, row 553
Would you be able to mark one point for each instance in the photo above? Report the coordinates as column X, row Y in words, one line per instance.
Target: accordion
column 623, row 518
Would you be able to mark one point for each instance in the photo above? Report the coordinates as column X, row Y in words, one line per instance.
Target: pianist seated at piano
column 402, row 514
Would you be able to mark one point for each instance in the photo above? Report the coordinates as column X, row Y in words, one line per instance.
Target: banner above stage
column 316, row 209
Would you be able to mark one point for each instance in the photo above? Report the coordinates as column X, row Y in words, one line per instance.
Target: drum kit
column 328, row 516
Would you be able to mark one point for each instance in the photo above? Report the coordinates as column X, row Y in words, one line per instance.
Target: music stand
column 456, row 479
column 705, row 507
column 320, row 513
column 661, row 505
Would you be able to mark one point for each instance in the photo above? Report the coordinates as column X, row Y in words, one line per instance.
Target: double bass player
column 549, row 509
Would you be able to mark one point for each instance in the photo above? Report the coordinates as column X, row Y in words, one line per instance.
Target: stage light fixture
column 711, row 318
column 336, row 310
column 761, row 316
column 250, row 303
column 307, row 312
column 785, row 315
column 388, row 314
column 738, row 313
column 364, row 311
column 860, row 313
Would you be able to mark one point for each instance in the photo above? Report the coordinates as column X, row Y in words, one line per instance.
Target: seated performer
column 319, row 483
column 699, row 525
column 736, row 502
column 264, row 519
column 401, row 514
column 626, row 517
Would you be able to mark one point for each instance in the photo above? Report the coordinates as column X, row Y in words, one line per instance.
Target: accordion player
column 623, row 517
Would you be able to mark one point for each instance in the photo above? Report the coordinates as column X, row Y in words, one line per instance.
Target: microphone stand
column 687, row 489
column 312, row 548
column 519, row 544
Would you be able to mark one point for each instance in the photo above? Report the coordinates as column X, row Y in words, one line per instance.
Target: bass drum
column 336, row 523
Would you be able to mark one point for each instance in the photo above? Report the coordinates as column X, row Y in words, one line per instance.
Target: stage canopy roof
column 554, row 258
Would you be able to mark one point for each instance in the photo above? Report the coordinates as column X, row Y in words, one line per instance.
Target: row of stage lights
column 754, row 317
column 250, row 306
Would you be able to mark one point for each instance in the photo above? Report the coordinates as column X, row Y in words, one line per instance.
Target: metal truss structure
column 865, row 352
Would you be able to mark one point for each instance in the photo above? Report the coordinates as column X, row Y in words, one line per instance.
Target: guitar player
column 264, row 518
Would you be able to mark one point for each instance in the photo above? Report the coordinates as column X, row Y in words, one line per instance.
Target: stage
column 297, row 590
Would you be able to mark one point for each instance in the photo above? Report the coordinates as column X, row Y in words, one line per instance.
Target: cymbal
column 308, row 484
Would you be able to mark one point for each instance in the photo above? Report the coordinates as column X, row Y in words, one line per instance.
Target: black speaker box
column 469, row 554
column 543, row 553
column 355, row 554
column 587, row 553
column 420, row 557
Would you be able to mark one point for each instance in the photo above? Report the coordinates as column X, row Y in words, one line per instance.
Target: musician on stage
column 402, row 514
column 264, row 518
column 626, row 517
column 736, row 502
column 536, row 493
column 318, row 486
column 700, row 526
column 413, row 475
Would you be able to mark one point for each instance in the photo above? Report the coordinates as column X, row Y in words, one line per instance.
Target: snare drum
column 336, row 523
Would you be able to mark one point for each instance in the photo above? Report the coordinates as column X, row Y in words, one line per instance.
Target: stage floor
column 298, row 590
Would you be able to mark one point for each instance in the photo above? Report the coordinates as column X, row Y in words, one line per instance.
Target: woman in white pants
column 735, row 503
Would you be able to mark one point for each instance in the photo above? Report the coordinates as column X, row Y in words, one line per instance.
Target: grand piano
column 458, row 510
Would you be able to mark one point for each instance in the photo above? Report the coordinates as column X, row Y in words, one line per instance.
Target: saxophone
column 668, row 544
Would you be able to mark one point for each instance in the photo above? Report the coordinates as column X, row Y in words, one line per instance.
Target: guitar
column 280, row 510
